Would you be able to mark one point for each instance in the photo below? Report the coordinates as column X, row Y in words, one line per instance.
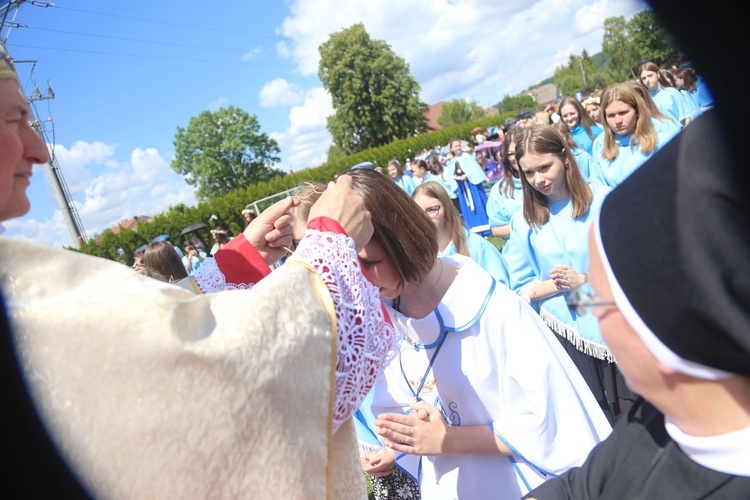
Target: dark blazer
column 638, row 461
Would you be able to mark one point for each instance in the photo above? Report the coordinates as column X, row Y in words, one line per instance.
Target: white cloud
column 307, row 140
column 280, row 92
column 144, row 185
column 76, row 160
column 470, row 48
column 255, row 52
column 218, row 103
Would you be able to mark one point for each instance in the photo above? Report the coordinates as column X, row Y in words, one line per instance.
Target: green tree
column 375, row 98
column 580, row 72
column 512, row 104
column 630, row 43
column 223, row 150
column 649, row 37
column 617, row 43
column 460, row 111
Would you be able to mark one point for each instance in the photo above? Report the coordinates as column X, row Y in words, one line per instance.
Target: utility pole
column 52, row 169
column 583, row 71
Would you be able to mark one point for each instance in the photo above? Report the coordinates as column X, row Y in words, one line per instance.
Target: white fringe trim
column 571, row 335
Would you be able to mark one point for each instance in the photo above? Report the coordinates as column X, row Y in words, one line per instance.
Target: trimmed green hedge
column 228, row 208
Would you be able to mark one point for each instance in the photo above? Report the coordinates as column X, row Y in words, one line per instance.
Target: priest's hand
column 381, row 464
column 271, row 231
column 340, row 203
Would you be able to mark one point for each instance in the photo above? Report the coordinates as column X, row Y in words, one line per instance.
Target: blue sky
column 127, row 74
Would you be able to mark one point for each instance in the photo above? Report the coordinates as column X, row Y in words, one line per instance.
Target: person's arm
column 424, row 432
column 501, row 231
column 339, row 225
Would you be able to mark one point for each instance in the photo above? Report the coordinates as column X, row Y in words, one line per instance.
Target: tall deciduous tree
column 650, row 37
column 375, row 98
column 617, row 42
column 460, row 111
column 513, row 104
column 223, row 150
column 630, row 43
column 580, row 72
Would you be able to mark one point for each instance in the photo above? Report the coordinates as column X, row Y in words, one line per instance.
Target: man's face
column 20, row 148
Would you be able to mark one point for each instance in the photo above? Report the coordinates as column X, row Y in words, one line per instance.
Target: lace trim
column 571, row 334
column 210, row 279
column 366, row 342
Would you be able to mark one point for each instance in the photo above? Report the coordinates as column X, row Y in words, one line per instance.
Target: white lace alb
column 362, row 329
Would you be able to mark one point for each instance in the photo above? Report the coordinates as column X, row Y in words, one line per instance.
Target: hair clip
column 315, row 190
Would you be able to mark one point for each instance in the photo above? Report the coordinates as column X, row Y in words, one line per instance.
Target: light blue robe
column 703, row 97
column 500, row 209
column 474, row 172
column 406, row 183
column 582, row 139
column 562, row 241
column 430, row 177
column 629, row 158
column 588, row 166
column 483, row 253
column 673, row 104
column 194, row 263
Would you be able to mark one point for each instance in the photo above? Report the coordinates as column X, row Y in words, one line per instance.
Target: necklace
column 428, row 293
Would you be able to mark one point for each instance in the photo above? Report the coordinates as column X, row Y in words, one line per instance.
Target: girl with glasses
column 453, row 236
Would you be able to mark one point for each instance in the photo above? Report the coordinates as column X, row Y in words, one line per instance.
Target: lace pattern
column 210, row 278
column 366, row 341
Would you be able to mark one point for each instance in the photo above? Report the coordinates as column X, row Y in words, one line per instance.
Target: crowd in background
column 534, row 186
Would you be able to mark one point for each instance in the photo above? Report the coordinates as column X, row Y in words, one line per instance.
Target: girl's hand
column 566, row 278
column 380, row 464
column 421, row 432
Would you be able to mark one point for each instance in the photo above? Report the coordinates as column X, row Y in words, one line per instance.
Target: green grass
column 498, row 242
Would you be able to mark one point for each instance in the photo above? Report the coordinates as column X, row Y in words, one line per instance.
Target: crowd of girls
column 435, row 425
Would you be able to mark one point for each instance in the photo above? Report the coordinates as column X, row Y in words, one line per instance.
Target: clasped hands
column 271, row 232
column 566, row 278
column 420, row 432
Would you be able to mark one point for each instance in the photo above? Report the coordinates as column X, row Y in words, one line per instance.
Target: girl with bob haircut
column 452, row 235
column 630, row 133
column 668, row 99
column 396, row 171
column 583, row 129
column 549, row 255
column 164, row 262
column 479, row 396
column 506, row 196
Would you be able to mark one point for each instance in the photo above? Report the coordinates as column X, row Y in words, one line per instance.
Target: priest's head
column 20, row 144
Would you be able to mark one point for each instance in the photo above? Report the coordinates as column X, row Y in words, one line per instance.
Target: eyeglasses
column 433, row 210
column 582, row 303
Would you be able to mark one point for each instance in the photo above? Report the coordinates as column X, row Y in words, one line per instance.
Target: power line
column 169, row 23
column 132, row 39
column 148, row 56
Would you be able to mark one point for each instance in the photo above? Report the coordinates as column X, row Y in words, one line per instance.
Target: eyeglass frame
column 433, row 210
column 582, row 303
